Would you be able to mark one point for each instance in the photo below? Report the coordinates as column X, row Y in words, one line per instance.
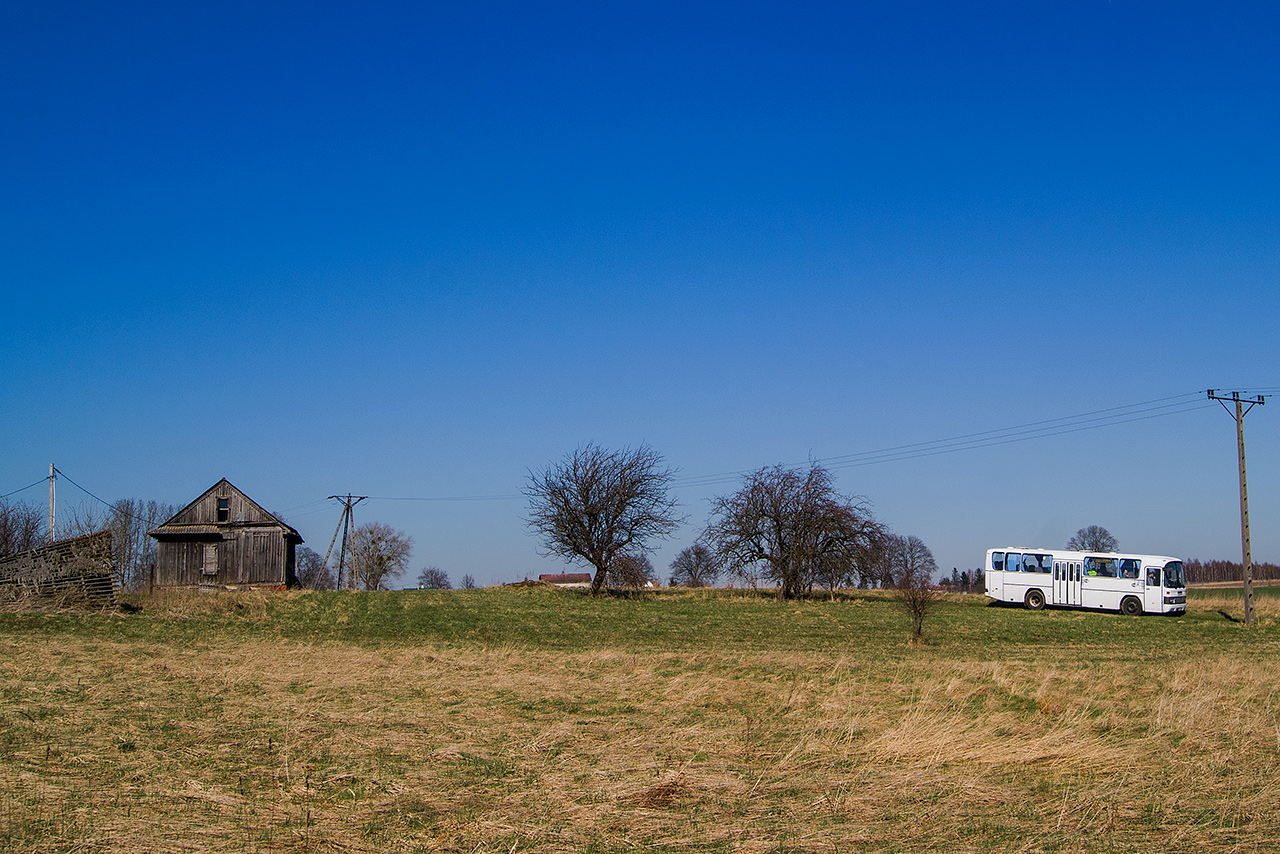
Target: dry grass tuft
column 25, row 601
column 661, row 796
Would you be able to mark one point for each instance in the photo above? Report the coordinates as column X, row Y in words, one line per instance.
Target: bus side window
column 1102, row 567
column 1014, row 562
column 1153, row 576
column 1128, row 568
column 997, row 561
column 1043, row 563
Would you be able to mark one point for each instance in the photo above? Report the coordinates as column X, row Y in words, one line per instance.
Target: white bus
column 1128, row 583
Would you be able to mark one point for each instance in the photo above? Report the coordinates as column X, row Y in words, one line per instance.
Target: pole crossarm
column 1235, row 397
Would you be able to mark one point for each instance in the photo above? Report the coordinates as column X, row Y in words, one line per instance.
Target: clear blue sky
column 414, row 250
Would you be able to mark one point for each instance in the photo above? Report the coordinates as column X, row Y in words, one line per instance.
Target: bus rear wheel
column 1035, row 600
column 1131, row 607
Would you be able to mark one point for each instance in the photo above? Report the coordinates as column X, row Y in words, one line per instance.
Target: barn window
column 224, row 509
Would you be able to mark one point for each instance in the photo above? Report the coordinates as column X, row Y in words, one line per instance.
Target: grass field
column 533, row 719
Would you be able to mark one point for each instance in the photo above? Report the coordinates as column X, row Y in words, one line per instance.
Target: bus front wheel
column 1035, row 600
column 1131, row 607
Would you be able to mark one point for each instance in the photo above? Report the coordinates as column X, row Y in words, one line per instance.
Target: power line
column 1049, row 424
column 1014, row 437
column 508, row 497
column 25, row 488
column 1093, row 420
column 106, row 504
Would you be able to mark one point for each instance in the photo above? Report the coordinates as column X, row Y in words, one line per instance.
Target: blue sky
column 416, row 250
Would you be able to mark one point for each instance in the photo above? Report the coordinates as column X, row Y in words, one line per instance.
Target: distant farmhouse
column 223, row 539
column 567, row 579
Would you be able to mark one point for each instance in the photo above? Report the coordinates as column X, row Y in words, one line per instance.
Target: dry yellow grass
column 250, row 744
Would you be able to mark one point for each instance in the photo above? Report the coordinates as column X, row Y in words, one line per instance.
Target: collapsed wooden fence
column 75, row 571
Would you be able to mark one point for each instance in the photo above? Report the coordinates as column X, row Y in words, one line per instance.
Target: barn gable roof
column 199, row 517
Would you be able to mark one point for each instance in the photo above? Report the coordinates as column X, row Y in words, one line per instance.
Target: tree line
column 966, row 581
column 1207, row 571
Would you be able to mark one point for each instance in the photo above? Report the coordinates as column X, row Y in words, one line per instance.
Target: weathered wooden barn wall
column 225, row 539
column 75, row 569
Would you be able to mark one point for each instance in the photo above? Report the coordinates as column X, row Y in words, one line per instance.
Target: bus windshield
column 1173, row 574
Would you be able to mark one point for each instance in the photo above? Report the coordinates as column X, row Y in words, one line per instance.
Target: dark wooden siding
column 181, row 563
column 259, row 557
column 205, row 511
column 246, row 556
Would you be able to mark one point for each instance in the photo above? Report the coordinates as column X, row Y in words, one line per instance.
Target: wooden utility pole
column 345, row 523
column 53, row 535
column 1240, row 412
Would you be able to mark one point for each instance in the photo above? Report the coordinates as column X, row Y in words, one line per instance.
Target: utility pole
column 52, row 530
column 1240, row 412
column 345, row 523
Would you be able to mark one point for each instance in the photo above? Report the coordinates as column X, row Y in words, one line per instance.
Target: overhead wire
column 1012, row 438
column 106, row 504
column 507, row 497
column 24, row 489
column 1092, row 420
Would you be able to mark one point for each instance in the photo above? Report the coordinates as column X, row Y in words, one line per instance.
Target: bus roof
column 1067, row 554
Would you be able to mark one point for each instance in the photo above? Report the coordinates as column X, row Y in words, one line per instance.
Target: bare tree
column 379, row 553
column 791, row 524
column 912, row 567
column 435, row 578
column 632, row 572
column 468, row 582
column 881, row 570
column 695, row 566
column 599, row 504
column 313, row 574
column 1094, row 538
column 836, row 573
column 749, row 574
column 131, row 520
column 133, row 551
column 22, row 527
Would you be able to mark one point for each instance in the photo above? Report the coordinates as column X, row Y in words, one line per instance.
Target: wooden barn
column 224, row 539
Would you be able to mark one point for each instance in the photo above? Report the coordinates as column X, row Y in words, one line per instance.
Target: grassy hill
column 540, row 720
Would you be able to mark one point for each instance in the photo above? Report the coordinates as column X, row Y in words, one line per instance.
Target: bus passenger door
column 1059, row 583
column 1074, row 570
